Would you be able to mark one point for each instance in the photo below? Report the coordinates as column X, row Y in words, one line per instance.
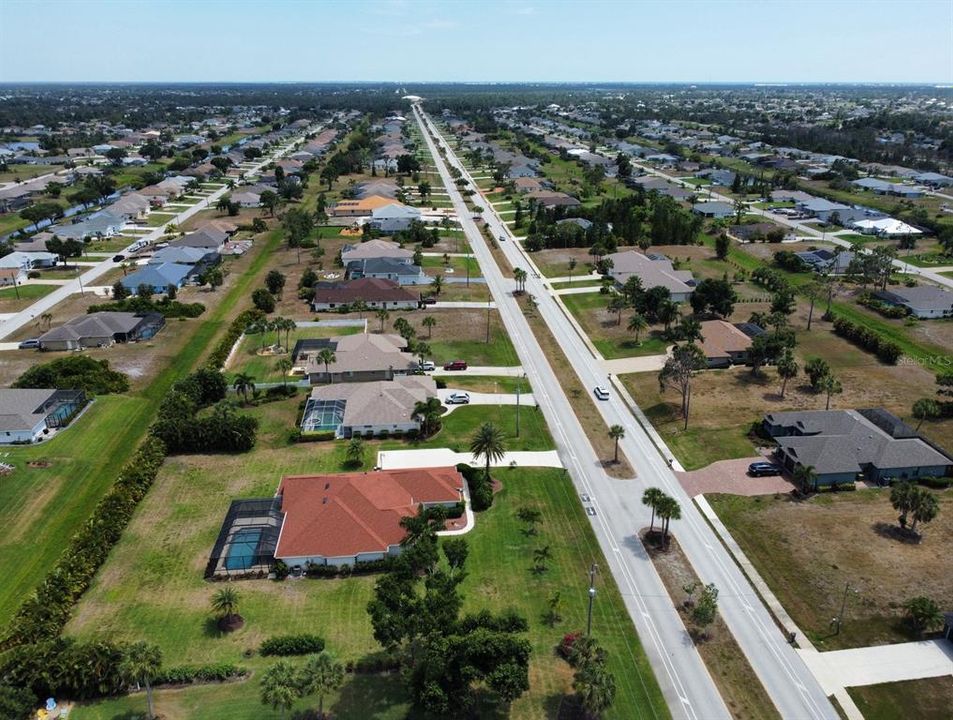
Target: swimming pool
column 243, row 549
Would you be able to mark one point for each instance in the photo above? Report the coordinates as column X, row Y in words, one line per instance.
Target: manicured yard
column 611, row 338
column 806, row 551
column 26, row 292
column 927, row 699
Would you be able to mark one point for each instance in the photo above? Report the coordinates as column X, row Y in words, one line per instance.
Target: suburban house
column 357, row 358
column 933, row 179
column 844, row 445
column 726, row 344
column 246, row 198
column 29, row 260
column 12, row 276
column 654, row 271
column 209, row 238
column 159, row 277
column 527, row 184
column 393, row 218
column 362, row 207
column 718, row 176
column 101, row 224
column 102, row 329
column 884, row 227
column 374, row 292
column 130, row 207
column 185, row 255
column 923, row 301
column 381, row 407
column 826, row 261
column 756, row 232
column 375, row 250
column 388, row 269
column 355, row 517
column 882, row 187
column 551, row 198
column 28, row 415
column 713, row 209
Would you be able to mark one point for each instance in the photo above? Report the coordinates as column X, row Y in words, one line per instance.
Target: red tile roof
column 351, row 513
column 367, row 289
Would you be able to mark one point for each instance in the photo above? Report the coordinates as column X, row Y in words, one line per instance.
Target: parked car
column 426, row 366
column 119, row 258
column 30, row 344
column 455, row 365
column 601, row 392
column 458, row 398
column 762, row 469
column 429, row 300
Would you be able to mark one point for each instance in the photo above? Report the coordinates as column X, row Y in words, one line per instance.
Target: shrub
column 136, row 304
column 76, row 372
column 186, row 674
column 887, row 351
column 219, row 355
column 937, row 483
column 304, row 644
column 481, row 491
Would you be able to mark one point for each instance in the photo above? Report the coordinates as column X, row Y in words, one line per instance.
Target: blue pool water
column 242, row 551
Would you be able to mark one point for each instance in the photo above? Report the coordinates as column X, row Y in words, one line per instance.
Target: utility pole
column 839, row 620
column 592, row 596
column 488, row 303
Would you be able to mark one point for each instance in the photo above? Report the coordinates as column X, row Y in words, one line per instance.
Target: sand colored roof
column 373, row 249
column 366, row 352
column 351, row 513
column 364, row 206
column 652, row 272
column 721, row 339
column 381, row 402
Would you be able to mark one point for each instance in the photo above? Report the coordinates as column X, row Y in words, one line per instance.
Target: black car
column 118, row 258
column 763, row 469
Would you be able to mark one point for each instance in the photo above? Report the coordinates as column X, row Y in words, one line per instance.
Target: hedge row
column 219, row 355
column 885, row 350
column 47, row 611
column 891, row 311
column 167, row 308
column 304, row 644
column 187, row 675
column 769, row 278
column 359, row 568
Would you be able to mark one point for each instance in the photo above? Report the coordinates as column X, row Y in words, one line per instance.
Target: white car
column 601, row 392
column 458, row 398
column 426, row 366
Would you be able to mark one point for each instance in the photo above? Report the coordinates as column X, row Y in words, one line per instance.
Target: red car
column 455, row 365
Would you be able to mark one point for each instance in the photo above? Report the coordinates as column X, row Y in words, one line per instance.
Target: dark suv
column 762, row 469
column 455, row 365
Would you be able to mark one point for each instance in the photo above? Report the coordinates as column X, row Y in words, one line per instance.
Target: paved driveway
column 881, row 663
column 730, row 476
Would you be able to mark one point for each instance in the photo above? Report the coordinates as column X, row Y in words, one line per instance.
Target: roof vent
column 324, row 501
column 327, row 486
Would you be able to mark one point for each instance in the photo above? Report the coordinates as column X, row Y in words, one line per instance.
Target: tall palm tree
column 421, row 350
column 668, row 509
column 428, row 412
column 360, row 307
column 140, row 664
column 651, row 498
column 616, row 433
column 382, row 315
column 832, row 386
column 280, row 687
column 437, row 284
column 487, row 442
column 637, row 323
column 787, row 369
column 429, row 322
column 283, row 366
column 243, row 383
column 327, row 356
column 519, row 274
column 320, row 675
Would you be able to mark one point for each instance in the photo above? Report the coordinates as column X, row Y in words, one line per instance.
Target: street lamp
column 592, row 596
column 839, row 620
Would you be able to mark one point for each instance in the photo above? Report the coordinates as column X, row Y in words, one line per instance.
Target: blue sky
column 497, row 40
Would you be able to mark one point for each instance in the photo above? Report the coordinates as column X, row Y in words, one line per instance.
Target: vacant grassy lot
column 555, row 263
column 610, row 335
column 927, row 699
column 152, row 588
column 743, row 693
column 19, row 298
column 807, row 551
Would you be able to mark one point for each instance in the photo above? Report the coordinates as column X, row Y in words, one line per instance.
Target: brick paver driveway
column 730, row 476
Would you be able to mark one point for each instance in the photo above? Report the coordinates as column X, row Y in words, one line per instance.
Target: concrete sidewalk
column 578, row 290
column 880, row 664
column 645, row 363
column 445, row 457
column 463, row 305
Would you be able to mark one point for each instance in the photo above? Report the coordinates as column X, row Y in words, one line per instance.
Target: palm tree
column 572, row 266
column 806, row 478
column 651, row 498
column 284, row 365
column 637, row 323
column 667, row 313
column 541, row 556
column 925, row 409
column 487, row 443
column 429, row 322
column 616, row 433
column 360, row 307
column 787, row 369
column 327, row 356
column 519, row 274
column 47, row 319
column 321, row 675
column 428, row 412
column 668, row 509
column 354, row 455
column 925, row 507
column 616, row 305
column 922, row 614
column 243, row 383
column 437, row 284
column 280, row 687
column 832, row 386
column 140, row 664
column 595, row 687
column 382, row 315
column 225, row 606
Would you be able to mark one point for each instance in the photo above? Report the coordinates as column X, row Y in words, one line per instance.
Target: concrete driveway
column 881, row 663
column 484, row 398
column 730, row 476
column 514, row 371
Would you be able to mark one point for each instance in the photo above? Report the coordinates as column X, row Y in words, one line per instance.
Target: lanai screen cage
column 249, row 536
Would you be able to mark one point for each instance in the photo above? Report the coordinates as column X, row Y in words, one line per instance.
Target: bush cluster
column 75, row 372
column 168, row 308
column 481, row 490
column 890, row 311
column 190, row 674
column 769, row 278
column 219, row 355
column 303, row 644
column 885, row 350
column 365, row 567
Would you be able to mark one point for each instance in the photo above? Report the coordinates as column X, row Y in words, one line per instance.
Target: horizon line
column 942, row 84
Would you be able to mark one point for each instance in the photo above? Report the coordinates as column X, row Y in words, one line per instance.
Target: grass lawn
column 456, row 268
column 23, row 172
column 55, row 501
column 487, row 383
column 158, row 592
column 611, row 339
column 11, row 222
column 927, row 699
column 581, row 283
column 928, row 260
column 806, row 551
column 499, row 352
column 26, row 292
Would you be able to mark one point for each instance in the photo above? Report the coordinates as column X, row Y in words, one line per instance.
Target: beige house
column 358, row 358
column 654, row 271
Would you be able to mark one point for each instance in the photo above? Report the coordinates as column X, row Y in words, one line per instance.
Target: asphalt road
column 684, row 679
column 47, row 302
